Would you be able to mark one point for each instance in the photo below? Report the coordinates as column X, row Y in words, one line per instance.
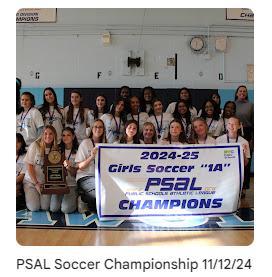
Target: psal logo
column 229, row 154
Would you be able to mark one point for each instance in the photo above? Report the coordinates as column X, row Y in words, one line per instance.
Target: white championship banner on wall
column 143, row 181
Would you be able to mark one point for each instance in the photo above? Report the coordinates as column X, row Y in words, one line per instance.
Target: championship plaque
column 55, row 174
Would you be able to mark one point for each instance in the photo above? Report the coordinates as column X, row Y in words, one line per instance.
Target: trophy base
column 55, row 189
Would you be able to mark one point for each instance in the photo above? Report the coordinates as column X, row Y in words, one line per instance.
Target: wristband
column 36, row 183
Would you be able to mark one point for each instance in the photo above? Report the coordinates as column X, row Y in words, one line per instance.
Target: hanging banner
column 144, row 181
column 36, row 15
column 239, row 14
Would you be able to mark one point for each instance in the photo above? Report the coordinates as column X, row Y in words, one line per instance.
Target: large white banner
column 36, row 15
column 140, row 181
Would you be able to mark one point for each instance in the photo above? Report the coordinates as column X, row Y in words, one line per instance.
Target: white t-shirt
column 171, row 108
column 70, row 179
column 83, row 153
column 167, row 118
column 56, row 118
column 129, row 142
column 141, row 119
column 111, row 129
column 241, row 140
column 215, row 127
column 33, row 157
column 209, row 140
column 32, row 122
column 80, row 127
column 166, row 142
column 20, row 165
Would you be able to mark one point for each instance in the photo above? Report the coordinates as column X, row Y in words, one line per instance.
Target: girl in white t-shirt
column 149, row 135
column 140, row 117
column 29, row 122
column 183, row 94
column 20, row 164
column 51, row 111
column 130, row 133
column 182, row 112
column 176, row 134
column 101, row 106
column 234, row 136
column 229, row 111
column 211, row 113
column 86, row 173
column 115, row 120
column 34, row 177
column 160, row 120
column 199, row 132
column 67, row 203
column 77, row 116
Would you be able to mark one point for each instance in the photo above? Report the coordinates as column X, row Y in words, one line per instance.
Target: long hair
column 216, row 112
column 182, row 136
column 239, row 132
column 193, row 139
column 218, row 95
column 20, row 139
column 41, row 143
column 44, row 109
column 176, row 113
column 154, row 138
column 106, row 107
column 70, row 111
column 136, row 137
column 229, row 102
column 236, row 97
column 103, row 136
column 151, row 112
column 142, row 100
column 31, row 96
column 19, row 109
column 190, row 100
column 75, row 142
column 123, row 115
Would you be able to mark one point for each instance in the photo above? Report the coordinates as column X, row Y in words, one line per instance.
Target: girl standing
column 176, row 134
column 67, row 203
column 234, row 136
column 115, row 120
column 182, row 112
column 101, row 106
column 210, row 112
column 199, row 132
column 51, row 111
column 34, row 177
column 186, row 95
column 86, row 173
column 160, row 120
column 229, row 111
column 245, row 111
column 148, row 94
column 20, row 164
column 140, row 117
column 149, row 134
column 29, row 122
column 77, row 116
column 130, row 133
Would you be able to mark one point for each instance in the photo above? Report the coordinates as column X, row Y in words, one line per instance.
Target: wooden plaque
column 55, row 174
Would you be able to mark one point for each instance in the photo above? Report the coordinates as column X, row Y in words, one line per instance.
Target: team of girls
column 114, row 126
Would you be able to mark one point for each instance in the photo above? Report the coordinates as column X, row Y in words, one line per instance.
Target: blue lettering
column 151, row 168
column 152, row 182
column 216, row 203
column 112, row 169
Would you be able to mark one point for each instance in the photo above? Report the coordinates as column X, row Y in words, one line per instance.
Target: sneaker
column 81, row 206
